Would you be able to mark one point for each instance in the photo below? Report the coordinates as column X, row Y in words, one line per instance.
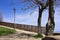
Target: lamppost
column 14, row 16
column 1, row 18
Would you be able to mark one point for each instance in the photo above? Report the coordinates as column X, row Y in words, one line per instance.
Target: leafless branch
column 45, row 5
column 40, row 3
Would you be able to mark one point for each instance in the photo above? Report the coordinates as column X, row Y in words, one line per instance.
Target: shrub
column 6, row 31
column 38, row 36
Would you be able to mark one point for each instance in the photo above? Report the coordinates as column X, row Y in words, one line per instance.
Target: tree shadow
column 24, row 35
column 49, row 38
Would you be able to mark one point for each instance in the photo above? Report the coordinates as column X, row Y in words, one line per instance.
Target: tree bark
column 39, row 20
column 50, row 24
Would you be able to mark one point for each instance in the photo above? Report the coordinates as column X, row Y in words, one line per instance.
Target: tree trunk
column 50, row 24
column 39, row 20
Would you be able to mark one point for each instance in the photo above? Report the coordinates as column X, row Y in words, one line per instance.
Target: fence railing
column 23, row 27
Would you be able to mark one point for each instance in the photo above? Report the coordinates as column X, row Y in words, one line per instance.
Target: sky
column 23, row 16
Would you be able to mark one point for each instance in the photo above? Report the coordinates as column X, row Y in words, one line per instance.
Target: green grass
column 6, row 31
column 38, row 36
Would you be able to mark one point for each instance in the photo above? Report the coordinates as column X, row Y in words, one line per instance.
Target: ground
column 24, row 35
column 19, row 35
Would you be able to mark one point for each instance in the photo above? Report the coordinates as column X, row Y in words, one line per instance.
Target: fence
column 23, row 27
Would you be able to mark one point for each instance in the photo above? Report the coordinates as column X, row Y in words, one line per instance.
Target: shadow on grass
column 49, row 38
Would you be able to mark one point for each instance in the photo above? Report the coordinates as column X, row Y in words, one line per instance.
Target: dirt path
column 19, row 35
column 24, row 35
column 56, row 37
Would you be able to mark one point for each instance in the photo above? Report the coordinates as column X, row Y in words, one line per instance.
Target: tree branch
column 34, row 2
column 44, row 7
column 40, row 3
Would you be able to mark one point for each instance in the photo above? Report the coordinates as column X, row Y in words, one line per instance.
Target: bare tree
column 50, row 24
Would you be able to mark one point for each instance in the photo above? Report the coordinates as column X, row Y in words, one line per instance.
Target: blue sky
column 23, row 16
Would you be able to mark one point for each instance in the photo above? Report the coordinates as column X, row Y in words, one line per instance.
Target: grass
column 38, row 36
column 6, row 31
